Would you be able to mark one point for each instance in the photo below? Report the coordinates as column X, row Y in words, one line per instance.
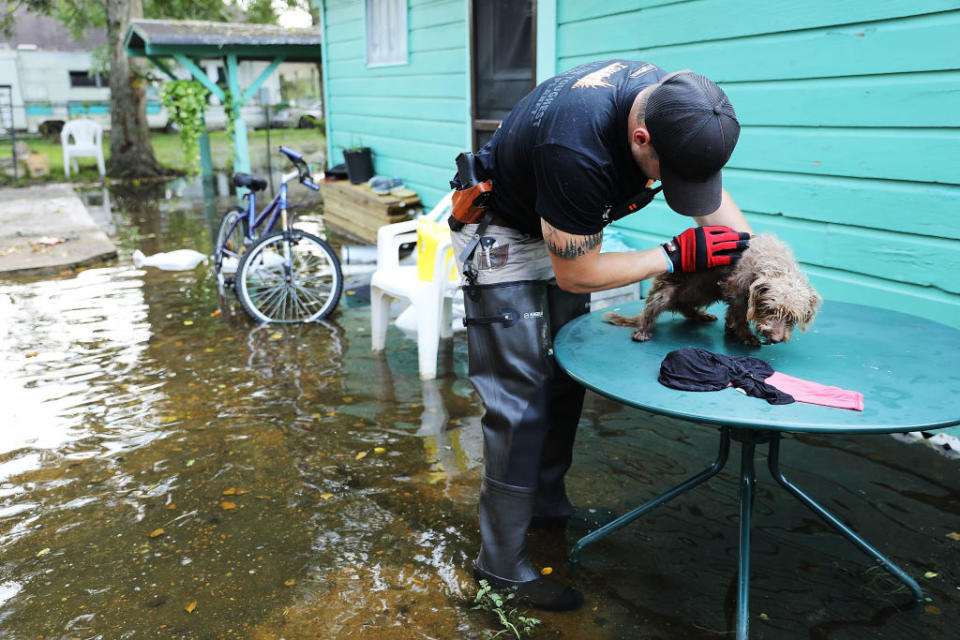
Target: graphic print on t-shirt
column 599, row 77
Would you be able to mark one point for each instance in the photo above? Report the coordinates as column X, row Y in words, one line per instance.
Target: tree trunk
column 131, row 154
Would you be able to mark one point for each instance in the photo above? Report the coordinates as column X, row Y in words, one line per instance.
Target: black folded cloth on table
column 693, row 369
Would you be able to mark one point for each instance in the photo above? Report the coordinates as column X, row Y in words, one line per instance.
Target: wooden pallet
column 358, row 211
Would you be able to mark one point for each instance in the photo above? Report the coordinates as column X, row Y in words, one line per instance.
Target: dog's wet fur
column 767, row 296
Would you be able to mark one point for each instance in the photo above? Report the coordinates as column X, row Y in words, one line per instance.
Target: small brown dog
column 765, row 287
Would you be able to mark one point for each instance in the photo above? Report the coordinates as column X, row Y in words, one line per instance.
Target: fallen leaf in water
column 233, row 491
column 415, row 581
column 156, row 532
column 172, row 506
column 347, row 399
column 326, row 496
column 930, row 574
column 215, row 314
column 228, row 505
column 361, row 455
column 276, row 336
column 209, row 350
column 316, row 416
column 764, row 616
column 351, row 292
column 43, row 552
column 190, row 607
column 190, row 462
column 378, row 449
column 32, row 354
column 954, row 536
column 290, row 582
column 187, row 323
column 932, row 609
column 546, row 571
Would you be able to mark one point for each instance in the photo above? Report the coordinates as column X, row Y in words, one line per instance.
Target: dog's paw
column 641, row 335
column 749, row 339
column 743, row 335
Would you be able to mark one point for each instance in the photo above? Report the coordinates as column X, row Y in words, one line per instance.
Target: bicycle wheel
column 228, row 245
column 288, row 277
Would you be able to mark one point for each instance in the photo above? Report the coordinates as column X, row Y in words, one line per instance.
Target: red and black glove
column 700, row 248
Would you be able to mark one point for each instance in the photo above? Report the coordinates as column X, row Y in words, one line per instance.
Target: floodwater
column 170, row 470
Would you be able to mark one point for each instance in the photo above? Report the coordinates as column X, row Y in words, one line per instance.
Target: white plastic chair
column 432, row 300
column 87, row 142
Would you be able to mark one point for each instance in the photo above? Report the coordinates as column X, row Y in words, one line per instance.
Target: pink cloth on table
column 815, row 393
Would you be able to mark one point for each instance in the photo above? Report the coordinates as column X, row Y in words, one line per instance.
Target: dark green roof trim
column 163, row 38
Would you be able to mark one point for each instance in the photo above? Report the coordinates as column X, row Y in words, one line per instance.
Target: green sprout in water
column 512, row 620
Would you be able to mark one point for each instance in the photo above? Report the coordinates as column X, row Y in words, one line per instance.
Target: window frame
column 405, row 32
column 96, row 80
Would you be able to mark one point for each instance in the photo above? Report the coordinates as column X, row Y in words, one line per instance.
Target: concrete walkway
column 30, row 215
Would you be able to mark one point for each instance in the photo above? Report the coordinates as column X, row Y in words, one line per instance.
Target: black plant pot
column 359, row 164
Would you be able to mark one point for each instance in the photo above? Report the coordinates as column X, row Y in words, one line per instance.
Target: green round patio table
column 906, row 367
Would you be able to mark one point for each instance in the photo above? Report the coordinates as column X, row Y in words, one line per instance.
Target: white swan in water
column 179, row 260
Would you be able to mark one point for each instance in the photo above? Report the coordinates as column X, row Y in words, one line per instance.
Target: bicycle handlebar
column 303, row 170
column 293, row 155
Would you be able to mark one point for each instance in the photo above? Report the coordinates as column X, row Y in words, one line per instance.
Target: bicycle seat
column 250, row 182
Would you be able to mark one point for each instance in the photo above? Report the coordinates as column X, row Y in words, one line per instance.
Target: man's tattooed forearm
column 572, row 247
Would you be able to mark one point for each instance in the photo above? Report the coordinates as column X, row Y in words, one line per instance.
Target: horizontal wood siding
column 413, row 116
column 850, row 146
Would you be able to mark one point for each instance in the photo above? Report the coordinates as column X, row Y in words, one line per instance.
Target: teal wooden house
column 850, row 147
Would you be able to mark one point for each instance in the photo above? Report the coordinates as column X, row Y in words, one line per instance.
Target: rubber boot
column 510, row 365
column 566, row 403
column 552, row 509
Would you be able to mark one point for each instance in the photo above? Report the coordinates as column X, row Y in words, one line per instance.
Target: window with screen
column 503, row 61
column 386, row 32
column 87, row 79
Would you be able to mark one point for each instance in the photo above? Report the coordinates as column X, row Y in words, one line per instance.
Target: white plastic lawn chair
column 432, row 300
column 87, row 142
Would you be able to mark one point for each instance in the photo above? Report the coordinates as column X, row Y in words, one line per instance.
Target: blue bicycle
column 281, row 276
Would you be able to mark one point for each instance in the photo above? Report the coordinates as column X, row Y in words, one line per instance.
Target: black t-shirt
column 562, row 154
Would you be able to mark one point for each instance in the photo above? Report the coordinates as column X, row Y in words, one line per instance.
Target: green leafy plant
column 186, row 101
column 511, row 619
column 356, row 144
column 231, row 109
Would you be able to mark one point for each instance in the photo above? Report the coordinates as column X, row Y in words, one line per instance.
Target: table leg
column 747, row 482
column 629, row 517
column 836, row 524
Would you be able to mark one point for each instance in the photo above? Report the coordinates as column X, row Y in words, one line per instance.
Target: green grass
column 168, row 151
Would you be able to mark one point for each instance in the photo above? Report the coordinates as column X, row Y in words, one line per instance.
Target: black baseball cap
column 693, row 129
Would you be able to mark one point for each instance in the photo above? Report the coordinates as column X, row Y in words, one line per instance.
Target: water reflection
column 162, row 454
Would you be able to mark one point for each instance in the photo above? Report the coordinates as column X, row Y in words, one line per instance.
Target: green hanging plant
column 186, row 101
column 231, row 110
